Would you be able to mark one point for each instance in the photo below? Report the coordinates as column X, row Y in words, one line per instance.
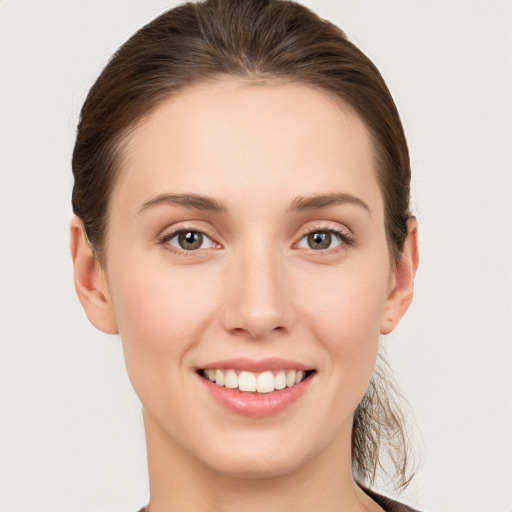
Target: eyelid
column 170, row 232
column 342, row 232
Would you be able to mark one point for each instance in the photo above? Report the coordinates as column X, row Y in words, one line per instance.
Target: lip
column 252, row 404
column 251, row 365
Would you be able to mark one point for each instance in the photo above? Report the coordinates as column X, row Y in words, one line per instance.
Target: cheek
column 346, row 318
column 160, row 304
column 161, row 315
column 348, row 301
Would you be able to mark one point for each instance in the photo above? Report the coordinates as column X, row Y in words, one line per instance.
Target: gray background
column 71, row 437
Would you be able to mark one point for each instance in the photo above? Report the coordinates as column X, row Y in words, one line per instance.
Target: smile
column 257, row 389
column 251, row 382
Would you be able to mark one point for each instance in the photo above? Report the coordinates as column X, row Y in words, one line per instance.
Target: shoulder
column 388, row 504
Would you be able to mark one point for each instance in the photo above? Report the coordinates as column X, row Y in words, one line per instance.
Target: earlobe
column 90, row 282
column 400, row 297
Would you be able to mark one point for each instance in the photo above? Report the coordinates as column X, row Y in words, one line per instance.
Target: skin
column 259, row 290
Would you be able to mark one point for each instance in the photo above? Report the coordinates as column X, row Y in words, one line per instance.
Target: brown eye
column 189, row 240
column 319, row 240
column 323, row 240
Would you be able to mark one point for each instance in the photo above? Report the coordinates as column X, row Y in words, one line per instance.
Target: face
column 248, row 274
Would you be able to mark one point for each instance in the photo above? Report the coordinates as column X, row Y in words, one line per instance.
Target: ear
column 90, row 281
column 402, row 282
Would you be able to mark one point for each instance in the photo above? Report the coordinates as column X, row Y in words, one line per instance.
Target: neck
column 179, row 482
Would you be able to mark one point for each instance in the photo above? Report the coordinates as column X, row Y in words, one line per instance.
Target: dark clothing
column 387, row 504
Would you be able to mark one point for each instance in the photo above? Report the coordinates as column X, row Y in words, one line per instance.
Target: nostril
column 258, row 330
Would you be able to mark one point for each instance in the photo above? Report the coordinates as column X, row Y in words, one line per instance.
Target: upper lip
column 255, row 366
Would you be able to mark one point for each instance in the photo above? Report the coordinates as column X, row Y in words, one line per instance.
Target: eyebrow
column 299, row 204
column 191, row 201
column 318, row 202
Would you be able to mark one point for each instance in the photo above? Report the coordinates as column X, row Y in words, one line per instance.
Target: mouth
column 256, row 389
column 245, row 381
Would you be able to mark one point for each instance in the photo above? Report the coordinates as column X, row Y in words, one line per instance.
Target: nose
column 256, row 303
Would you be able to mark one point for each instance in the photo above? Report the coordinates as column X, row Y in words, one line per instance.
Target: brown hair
column 252, row 40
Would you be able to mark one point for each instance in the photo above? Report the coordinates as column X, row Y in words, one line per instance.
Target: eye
column 321, row 240
column 189, row 240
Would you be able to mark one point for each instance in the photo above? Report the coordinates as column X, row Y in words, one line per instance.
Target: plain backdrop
column 71, row 436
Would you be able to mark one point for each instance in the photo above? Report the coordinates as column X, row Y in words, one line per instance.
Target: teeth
column 290, row 378
column 219, row 377
column 247, row 381
column 280, row 380
column 231, row 380
column 265, row 382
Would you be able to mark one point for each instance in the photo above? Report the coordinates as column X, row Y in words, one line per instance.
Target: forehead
column 242, row 140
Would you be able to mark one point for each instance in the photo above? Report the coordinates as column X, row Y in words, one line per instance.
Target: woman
column 242, row 221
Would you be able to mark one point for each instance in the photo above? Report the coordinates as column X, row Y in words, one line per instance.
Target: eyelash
column 345, row 240
column 167, row 237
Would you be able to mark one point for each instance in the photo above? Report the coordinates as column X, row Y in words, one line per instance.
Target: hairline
column 120, row 147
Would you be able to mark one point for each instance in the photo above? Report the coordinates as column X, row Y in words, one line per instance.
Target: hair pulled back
column 251, row 40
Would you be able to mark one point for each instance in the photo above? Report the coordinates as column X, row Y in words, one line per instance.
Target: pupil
column 190, row 240
column 319, row 240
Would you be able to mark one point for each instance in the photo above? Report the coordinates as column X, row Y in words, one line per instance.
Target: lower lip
column 257, row 405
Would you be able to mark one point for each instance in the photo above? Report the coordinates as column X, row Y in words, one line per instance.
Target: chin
column 257, row 467
column 260, row 459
